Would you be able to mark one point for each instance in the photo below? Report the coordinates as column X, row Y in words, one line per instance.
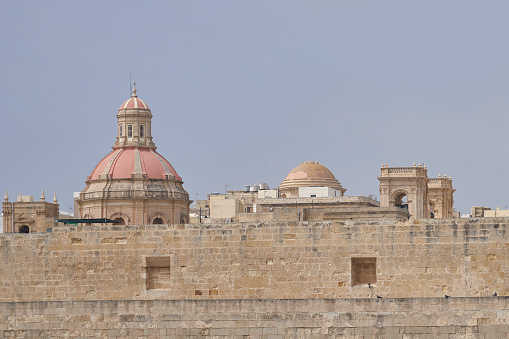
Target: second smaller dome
column 309, row 174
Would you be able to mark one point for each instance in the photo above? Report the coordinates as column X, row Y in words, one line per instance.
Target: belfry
column 134, row 184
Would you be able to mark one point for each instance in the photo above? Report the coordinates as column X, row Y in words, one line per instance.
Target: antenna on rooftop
column 130, row 85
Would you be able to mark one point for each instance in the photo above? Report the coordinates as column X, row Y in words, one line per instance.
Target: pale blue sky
column 244, row 91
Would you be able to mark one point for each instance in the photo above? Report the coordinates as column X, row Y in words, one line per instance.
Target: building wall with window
column 28, row 216
column 273, row 260
column 383, row 279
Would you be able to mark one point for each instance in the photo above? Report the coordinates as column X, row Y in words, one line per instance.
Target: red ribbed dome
column 133, row 103
column 123, row 162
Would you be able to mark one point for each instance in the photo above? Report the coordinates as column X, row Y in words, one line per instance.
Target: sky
column 242, row 92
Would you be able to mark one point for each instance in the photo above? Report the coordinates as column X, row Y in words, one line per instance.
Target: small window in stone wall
column 158, row 273
column 363, row 271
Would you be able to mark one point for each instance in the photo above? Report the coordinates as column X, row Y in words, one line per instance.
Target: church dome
column 308, row 174
column 133, row 103
column 134, row 184
column 122, row 163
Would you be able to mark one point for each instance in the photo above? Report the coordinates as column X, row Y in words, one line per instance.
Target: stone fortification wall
column 425, row 258
column 256, row 319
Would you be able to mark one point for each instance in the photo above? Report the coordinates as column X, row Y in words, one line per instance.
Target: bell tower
column 405, row 187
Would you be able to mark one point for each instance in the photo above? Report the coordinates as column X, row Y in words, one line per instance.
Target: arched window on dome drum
column 157, row 221
column 129, row 131
column 120, row 130
column 122, row 221
column 24, row 229
column 142, row 131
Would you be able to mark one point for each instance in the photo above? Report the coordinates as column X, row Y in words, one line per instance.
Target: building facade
column 411, row 189
column 25, row 215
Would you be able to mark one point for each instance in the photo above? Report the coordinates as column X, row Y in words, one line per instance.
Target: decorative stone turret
column 410, row 188
column 440, row 195
column 406, row 187
column 28, row 216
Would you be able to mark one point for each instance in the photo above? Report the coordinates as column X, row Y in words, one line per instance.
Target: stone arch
column 158, row 219
column 412, row 182
column 24, row 229
column 122, row 217
column 398, row 197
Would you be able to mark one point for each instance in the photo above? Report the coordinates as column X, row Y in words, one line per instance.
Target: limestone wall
column 426, row 258
column 484, row 318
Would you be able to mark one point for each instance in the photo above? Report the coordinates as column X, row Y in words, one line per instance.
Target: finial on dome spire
column 6, row 197
column 55, row 200
column 42, row 195
column 134, row 90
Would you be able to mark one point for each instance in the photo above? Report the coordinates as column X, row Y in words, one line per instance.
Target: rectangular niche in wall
column 363, row 271
column 158, row 272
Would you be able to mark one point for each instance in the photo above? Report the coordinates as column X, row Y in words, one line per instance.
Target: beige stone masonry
column 425, row 258
column 420, row 318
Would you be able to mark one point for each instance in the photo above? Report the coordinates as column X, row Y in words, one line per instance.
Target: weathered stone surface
column 226, row 280
column 426, row 258
column 317, row 318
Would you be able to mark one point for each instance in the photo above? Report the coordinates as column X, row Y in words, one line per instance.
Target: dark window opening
column 157, row 221
column 363, row 271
